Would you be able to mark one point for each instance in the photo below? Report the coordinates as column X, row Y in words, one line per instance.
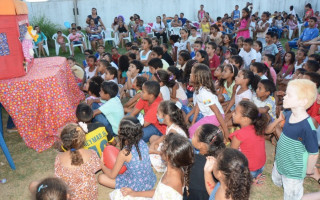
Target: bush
column 47, row 27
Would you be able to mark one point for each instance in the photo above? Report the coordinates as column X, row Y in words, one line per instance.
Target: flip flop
column 258, row 183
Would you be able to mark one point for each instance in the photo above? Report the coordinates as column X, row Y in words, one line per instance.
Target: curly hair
column 130, row 133
column 203, row 78
column 213, row 137
column 178, row 151
column 234, row 165
column 259, row 120
column 73, row 139
column 175, row 114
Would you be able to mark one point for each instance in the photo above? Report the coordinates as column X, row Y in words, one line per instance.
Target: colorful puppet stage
column 42, row 101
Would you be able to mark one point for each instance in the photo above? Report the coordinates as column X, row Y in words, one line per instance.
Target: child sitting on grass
column 93, row 87
column 111, row 74
column 111, row 112
column 134, row 154
column 49, row 188
column 87, row 53
column 96, row 135
column 135, row 68
column 149, row 102
column 231, row 170
column 77, row 71
column 177, row 152
column 77, row 166
column 137, row 86
column 177, row 92
column 91, row 68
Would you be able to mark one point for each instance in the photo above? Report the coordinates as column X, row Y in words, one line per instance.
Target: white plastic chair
column 299, row 27
column 45, row 46
column 128, row 38
column 57, row 45
column 175, row 31
column 76, row 45
column 147, row 28
column 109, row 35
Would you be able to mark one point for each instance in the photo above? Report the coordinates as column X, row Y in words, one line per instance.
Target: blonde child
column 77, row 166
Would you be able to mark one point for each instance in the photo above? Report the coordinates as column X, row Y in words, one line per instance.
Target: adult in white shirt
column 159, row 29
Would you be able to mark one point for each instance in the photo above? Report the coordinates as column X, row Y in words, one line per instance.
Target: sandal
column 261, row 177
column 258, row 182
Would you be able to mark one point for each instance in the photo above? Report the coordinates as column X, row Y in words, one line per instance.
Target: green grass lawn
column 34, row 166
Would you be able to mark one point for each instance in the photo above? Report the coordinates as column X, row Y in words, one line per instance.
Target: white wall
column 59, row 11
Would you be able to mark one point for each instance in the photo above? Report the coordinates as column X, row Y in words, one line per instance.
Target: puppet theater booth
column 40, row 100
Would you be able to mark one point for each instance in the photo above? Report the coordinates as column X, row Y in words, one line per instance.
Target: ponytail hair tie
column 72, row 150
column 213, row 139
column 171, row 77
column 42, row 187
column 84, row 126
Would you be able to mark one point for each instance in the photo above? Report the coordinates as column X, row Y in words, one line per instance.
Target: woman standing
column 96, row 18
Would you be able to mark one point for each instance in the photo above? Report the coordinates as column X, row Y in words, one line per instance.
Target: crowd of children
column 206, row 106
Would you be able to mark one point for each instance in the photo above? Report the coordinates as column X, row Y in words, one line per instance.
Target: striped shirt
column 296, row 143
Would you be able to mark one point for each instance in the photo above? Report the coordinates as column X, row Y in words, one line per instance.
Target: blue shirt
column 193, row 54
column 309, row 34
column 236, row 14
column 214, row 191
column 229, row 25
column 183, row 20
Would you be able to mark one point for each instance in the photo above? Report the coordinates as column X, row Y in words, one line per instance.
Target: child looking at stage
column 247, row 53
column 231, row 170
column 111, row 74
column 206, row 100
column 177, row 152
column 49, row 188
column 263, row 98
column 111, row 112
column 249, row 139
column 93, row 87
column 268, row 60
column 100, row 52
column 177, row 92
column 77, row 166
column 96, row 135
column 166, row 81
column 137, row 86
column 91, row 69
column 291, row 167
column 149, row 102
column 170, row 114
column 134, row 154
column 87, row 53
column 76, row 70
column 214, row 61
column 135, row 68
column 208, row 140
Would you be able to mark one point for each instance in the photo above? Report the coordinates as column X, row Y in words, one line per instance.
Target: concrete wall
column 59, row 11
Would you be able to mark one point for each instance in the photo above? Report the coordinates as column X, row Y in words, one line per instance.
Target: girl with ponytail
column 208, row 140
column 77, row 166
column 250, row 138
column 231, row 170
column 177, row 152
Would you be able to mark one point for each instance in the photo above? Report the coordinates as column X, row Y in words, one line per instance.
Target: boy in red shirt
column 115, row 55
column 149, row 102
column 214, row 60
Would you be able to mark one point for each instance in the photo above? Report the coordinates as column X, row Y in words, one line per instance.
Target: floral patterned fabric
column 81, row 181
column 139, row 175
column 4, row 47
column 42, row 101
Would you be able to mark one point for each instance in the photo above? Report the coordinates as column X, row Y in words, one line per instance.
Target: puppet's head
column 31, row 34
